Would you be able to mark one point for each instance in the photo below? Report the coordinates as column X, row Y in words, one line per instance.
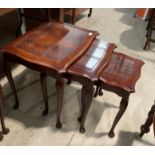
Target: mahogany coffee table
column 50, row 49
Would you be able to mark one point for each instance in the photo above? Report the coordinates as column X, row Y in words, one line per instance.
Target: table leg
column 90, row 12
column 97, row 90
column 60, row 89
column 123, row 106
column 43, row 77
column 4, row 129
column 86, row 97
column 7, row 69
column 83, row 106
column 69, row 81
column 145, row 128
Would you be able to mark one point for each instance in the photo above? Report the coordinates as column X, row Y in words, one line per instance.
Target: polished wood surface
column 93, row 61
column 52, row 45
column 123, row 71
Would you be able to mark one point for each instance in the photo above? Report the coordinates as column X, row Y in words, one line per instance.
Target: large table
column 50, row 49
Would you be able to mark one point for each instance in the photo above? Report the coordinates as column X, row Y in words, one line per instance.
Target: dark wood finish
column 91, row 64
column 59, row 87
column 74, row 12
column 120, row 77
column 123, row 71
column 145, row 128
column 4, row 129
column 7, row 70
column 50, row 49
column 45, row 93
column 63, row 50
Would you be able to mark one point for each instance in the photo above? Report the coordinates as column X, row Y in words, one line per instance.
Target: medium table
column 86, row 71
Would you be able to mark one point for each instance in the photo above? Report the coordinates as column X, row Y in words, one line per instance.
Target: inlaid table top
column 123, row 71
column 52, row 44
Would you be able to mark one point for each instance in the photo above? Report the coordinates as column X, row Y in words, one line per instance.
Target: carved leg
column 87, row 95
column 90, row 12
column 123, row 106
column 145, row 128
column 7, row 69
column 83, row 106
column 4, row 129
column 60, row 89
column 45, row 94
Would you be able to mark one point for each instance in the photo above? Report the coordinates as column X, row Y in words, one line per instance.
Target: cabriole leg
column 123, row 106
column 86, row 96
column 45, row 93
column 60, row 89
column 4, row 129
column 7, row 69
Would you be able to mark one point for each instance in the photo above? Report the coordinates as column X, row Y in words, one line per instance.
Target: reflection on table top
column 53, row 43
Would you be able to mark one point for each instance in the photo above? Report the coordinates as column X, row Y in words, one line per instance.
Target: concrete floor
column 29, row 127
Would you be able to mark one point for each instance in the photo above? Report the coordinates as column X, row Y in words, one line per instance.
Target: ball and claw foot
column 58, row 125
column 82, row 129
column 111, row 134
column 143, row 130
column 79, row 119
column 16, row 106
column 6, row 131
column 45, row 112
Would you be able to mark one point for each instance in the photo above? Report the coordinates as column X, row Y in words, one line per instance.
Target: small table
column 50, row 49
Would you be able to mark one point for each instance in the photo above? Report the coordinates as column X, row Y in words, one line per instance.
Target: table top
column 52, row 44
column 122, row 71
column 93, row 61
